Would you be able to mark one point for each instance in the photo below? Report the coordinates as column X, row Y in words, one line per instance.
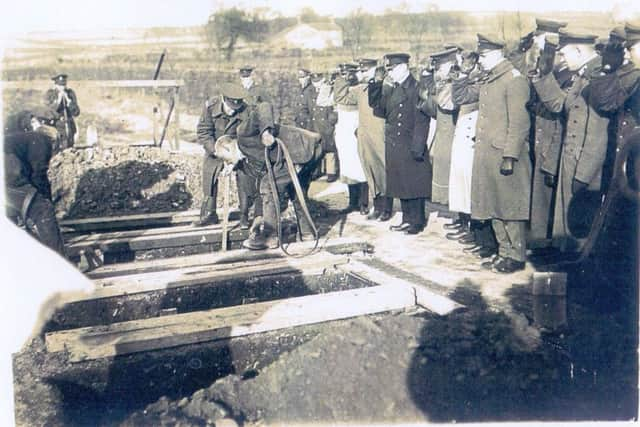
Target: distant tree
column 308, row 14
column 225, row 27
column 356, row 31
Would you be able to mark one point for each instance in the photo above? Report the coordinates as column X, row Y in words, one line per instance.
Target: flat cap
column 246, row 71
column 60, row 78
column 303, row 72
column 233, row 91
column 633, row 34
column 444, row 56
column 367, row 63
column 316, row 77
column 548, row 25
column 396, row 58
column 567, row 38
column 486, row 43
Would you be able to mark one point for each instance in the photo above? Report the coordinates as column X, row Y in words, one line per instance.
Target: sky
column 70, row 15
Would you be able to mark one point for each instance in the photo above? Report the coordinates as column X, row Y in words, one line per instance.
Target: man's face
column 246, row 81
column 634, row 53
column 317, row 82
column 303, row 80
column 60, row 86
column 397, row 71
column 490, row 58
column 571, row 55
column 233, row 104
column 442, row 70
column 539, row 40
column 35, row 123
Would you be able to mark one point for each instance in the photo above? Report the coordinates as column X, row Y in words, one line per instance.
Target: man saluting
column 63, row 105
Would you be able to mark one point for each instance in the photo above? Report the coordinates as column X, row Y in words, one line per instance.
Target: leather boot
column 363, row 198
column 353, row 198
column 208, row 214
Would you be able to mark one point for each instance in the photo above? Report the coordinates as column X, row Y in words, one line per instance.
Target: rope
column 282, row 151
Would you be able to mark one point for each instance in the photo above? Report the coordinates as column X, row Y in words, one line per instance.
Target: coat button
column 399, row 124
column 398, row 133
column 399, row 114
column 400, row 105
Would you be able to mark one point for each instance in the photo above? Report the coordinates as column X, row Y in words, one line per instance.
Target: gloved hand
column 380, row 74
column 526, row 42
column 506, row 167
column 549, row 180
column 547, row 58
column 267, row 138
column 418, row 157
column 578, row 186
column 612, row 57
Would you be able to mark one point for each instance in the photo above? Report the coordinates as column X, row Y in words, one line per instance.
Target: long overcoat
column 304, row 102
column 371, row 143
column 584, row 144
column 405, row 138
column 502, row 131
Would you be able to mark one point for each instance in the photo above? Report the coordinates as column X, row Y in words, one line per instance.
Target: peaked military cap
column 486, row 43
column 444, row 56
column 567, row 38
column 316, row 77
column 396, row 58
column 303, row 72
column 233, row 91
column 453, row 46
column 617, row 35
column 633, row 34
column 548, row 26
column 246, row 71
column 60, row 79
column 366, row 63
column 347, row 66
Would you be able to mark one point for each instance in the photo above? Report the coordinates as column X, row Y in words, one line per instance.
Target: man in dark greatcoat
column 305, row 100
column 406, row 130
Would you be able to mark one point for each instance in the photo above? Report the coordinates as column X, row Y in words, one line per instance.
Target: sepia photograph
column 300, row 213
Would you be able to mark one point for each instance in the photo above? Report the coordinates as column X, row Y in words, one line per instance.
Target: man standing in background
column 63, row 105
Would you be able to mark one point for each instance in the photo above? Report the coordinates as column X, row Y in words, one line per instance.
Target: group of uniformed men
column 521, row 138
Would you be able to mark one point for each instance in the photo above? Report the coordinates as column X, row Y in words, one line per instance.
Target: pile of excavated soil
column 126, row 180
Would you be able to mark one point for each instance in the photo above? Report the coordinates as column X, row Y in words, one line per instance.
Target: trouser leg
column 484, row 234
column 383, row 203
column 354, row 196
column 363, row 196
column 331, row 163
column 413, row 211
column 510, row 236
column 41, row 221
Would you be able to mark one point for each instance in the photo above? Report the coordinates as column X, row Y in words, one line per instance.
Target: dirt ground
column 484, row 362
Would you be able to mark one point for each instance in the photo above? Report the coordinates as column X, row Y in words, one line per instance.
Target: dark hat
column 246, row 71
column 617, row 35
column 567, row 38
column 367, row 63
column 453, row 46
column 316, row 77
column 548, row 26
column 444, row 56
column 303, row 72
column 347, row 66
column 633, row 34
column 233, row 91
column 486, row 43
column 396, row 58
column 60, row 79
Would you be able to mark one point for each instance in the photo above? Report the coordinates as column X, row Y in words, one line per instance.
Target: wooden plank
column 129, row 234
column 340, row 245
column 190, row 328
column 439, row 304
column 138, row 283
column 143, row 243
column 44, row 84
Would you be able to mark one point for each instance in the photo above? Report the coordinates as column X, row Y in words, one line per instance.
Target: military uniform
column 303, row 106
column 324, row 118
column 439, row 106
column 63, row 113
column 26, row 161
column 371, row 149
column 405, row 135
column 583, row 148
column 501, row 133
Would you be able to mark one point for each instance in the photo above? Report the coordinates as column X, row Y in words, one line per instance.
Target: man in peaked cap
column 406, row 129
column 524, row 58
column 256, row 92
column 583, row 147
column 501, row 177
column 63, row 108
column 305, row 100
column 371, row 144
column 221, row 116
column 324, row 118
column 438, row 104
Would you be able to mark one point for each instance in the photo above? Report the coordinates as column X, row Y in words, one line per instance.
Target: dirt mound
column 126, row 180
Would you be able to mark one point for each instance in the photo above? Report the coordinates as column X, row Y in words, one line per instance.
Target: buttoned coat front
column 584, row 145
column 502, row 131
column 405, row 138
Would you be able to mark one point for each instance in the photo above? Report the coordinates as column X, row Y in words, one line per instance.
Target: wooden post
column 549, row 300
column 176, row 121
